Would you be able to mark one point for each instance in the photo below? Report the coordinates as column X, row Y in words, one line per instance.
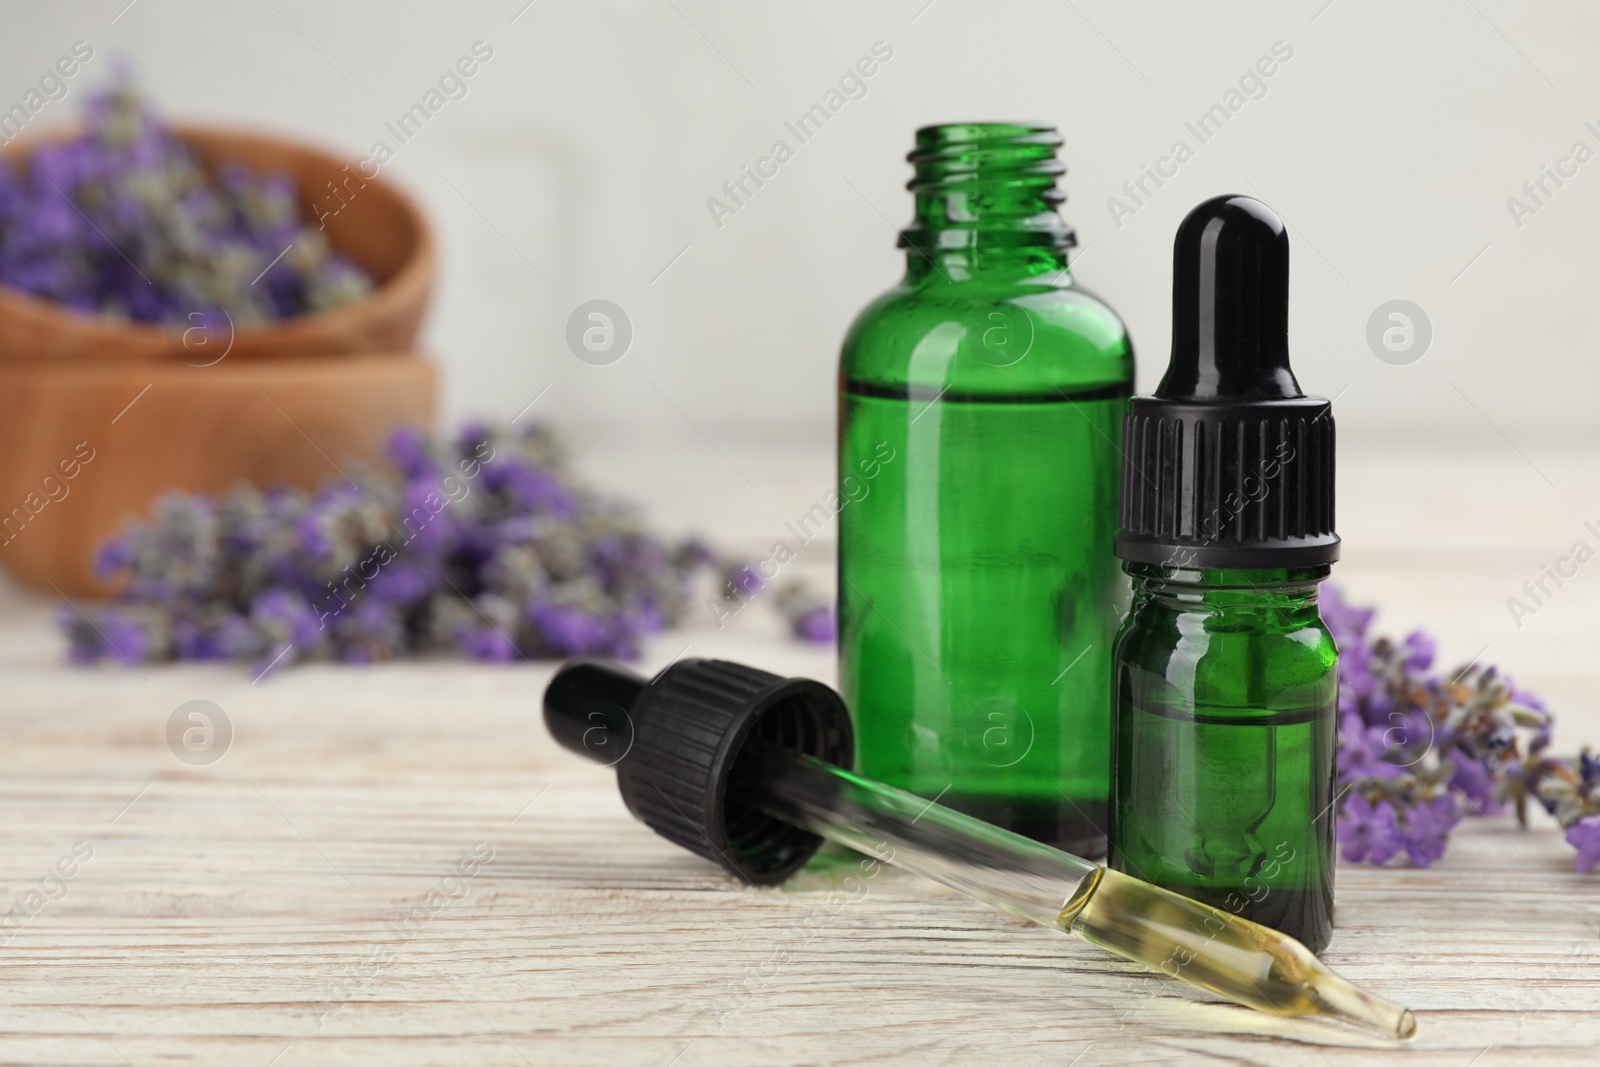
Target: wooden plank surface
column 395, row 866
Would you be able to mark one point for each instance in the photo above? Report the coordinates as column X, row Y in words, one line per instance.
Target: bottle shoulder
column 978, row 336
column 1293, row 647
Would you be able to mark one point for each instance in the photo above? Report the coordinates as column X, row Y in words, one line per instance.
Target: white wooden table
column 303, row 899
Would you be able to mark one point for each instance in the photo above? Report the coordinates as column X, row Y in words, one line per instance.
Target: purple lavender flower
column 742, row 581
column 1584, row 835
column 1428, row 824
column 114, row 555
column 1369, row 832
column 408, row 451
column 425, row 521
column 568, row 631
column 1474, row 781
column 474, row 434
column 1418, row 651
column 529, row 489
column 287, row 616
column 125, row 637
column 311, row 536
column 1363, row 750
column 407, row 580
column 817, row 626
column 192, row 639
column 487, row 645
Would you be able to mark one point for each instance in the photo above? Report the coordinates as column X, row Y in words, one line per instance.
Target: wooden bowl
column 378, row 227
column 86, row 445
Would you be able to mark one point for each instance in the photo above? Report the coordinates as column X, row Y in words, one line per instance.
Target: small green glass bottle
column 1227, row 680
column 981, row 405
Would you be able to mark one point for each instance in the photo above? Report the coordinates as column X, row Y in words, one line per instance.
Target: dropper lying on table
column 744, row 768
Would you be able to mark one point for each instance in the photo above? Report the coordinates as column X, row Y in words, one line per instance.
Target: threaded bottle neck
column 1285, row 592
column 986, row 192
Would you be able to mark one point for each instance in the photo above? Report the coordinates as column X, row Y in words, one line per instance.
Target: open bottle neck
column 985, row 204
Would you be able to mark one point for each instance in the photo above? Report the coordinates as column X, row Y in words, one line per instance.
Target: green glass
column 980, row 414
column 1227, row 685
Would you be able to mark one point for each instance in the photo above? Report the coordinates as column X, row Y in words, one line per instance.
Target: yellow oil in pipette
column 1233, row 957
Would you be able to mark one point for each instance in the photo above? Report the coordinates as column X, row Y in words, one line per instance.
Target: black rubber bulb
column 676, row 741
column 588, row 709
column 1230, row 305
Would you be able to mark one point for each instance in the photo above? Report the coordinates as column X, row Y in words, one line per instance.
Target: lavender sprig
column 1419, row 750
column 485, row 545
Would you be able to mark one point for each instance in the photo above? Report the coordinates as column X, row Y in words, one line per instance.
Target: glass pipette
column 744, row 768
column 1205, row 946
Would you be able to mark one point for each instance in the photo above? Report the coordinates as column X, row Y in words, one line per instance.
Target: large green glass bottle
column 981, row 405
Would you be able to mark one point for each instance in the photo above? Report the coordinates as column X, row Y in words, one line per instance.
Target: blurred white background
column 580, row 162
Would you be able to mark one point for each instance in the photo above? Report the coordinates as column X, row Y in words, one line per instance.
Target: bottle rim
column 987, row 185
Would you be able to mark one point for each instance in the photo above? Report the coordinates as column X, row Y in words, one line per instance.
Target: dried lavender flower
column 484, row 545
column 1418, row 750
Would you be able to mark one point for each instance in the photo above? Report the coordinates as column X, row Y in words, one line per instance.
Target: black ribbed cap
column 1229, row 464
column 676, row 739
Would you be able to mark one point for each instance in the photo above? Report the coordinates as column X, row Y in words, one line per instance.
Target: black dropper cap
column 1229, row 464
column 676, row 741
